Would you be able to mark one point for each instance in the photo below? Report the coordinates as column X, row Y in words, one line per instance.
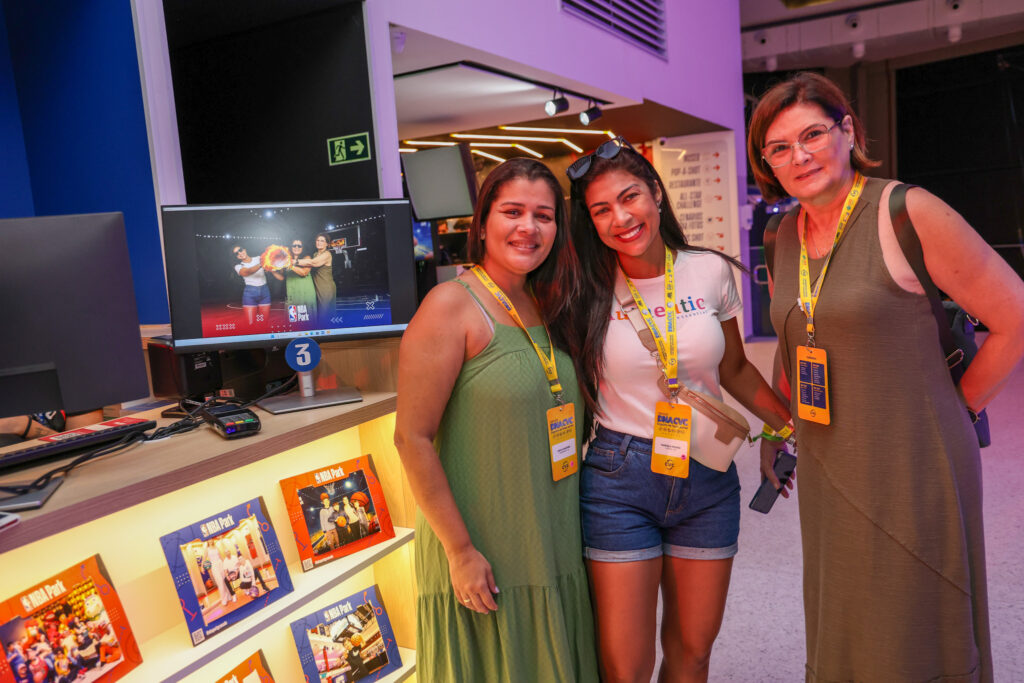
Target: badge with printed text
column 812, row 385
column 562, row 439
column 673, row 425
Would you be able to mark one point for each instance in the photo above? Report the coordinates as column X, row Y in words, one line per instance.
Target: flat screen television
column 71, row 329
column 441, row 182
column 231, row 283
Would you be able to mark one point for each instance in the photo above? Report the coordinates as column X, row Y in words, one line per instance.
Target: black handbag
column 956, row 326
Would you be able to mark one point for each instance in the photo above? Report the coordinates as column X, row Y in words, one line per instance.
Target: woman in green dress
column 503, row 591
column 298, row 285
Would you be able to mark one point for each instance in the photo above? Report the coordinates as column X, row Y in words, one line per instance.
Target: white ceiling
column 824, row 34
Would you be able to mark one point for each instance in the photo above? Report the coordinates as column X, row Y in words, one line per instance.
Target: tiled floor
column 762, row 637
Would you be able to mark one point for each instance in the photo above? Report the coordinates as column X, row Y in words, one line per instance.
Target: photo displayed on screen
column 230, row 570
column 338, row 513
column 70, row 639
column 288, row 269
column 350, row 647
column 423, row 240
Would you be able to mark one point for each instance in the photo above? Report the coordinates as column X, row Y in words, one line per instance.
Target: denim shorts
column 256, row 295
column 630, row 513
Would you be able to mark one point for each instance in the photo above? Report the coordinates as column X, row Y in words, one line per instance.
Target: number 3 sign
column 302, row 354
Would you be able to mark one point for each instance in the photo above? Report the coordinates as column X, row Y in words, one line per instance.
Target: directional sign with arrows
column 348, row 149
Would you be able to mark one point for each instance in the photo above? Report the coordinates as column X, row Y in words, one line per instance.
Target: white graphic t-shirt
column 706, row 295
column 257, row 279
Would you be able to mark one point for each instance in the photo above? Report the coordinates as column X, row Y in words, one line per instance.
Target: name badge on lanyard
column 673, row 422
column 811, row 369
column 673, row 427
column 561, row 420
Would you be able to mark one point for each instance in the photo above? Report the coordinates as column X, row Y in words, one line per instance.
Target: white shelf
column 169, row 656
column 408, row 667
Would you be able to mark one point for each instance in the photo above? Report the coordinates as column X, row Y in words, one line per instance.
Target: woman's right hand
column 768, row 451
column 472, row 580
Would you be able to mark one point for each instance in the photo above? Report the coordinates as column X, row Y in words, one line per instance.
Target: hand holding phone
column 783, row 467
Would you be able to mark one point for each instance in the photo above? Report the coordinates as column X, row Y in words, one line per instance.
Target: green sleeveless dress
column 493, row 446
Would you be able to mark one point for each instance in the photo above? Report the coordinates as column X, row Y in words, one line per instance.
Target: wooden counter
column 151, row 469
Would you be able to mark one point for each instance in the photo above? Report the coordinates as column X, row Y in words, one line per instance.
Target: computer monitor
column 230, row 283
column 441, row 182
column 71, row 329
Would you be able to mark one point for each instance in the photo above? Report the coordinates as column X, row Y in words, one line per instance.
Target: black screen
column 71, row 333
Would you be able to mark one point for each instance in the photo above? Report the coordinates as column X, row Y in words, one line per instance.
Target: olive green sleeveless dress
column 494, row 449
column 890, row 492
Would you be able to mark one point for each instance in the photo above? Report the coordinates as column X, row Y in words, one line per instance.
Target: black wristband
column 28, row 426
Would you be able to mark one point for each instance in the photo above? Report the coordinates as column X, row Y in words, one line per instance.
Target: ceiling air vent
column 638, row 22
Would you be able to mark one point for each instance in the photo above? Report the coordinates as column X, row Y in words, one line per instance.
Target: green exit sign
column 348, row 149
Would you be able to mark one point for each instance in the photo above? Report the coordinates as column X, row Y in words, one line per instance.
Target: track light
column 591, row 113
column 556, row 105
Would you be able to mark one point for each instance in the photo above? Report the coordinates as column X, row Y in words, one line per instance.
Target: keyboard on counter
column 75, row 441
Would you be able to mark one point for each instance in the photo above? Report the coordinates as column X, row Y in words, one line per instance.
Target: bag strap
column 911, row 246
column 725, row 417
column 771, row 232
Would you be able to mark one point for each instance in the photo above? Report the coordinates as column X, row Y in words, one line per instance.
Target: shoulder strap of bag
column 727, row 418
column 911, row 246
column 771, row 231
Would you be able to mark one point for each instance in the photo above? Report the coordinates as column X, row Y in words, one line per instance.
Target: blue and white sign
column 303, row 354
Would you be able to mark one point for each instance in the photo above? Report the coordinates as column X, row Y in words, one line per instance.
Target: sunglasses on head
column 606, row 150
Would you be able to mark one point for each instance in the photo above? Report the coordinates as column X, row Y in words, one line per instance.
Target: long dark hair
column 551, row 298
column 583, row 324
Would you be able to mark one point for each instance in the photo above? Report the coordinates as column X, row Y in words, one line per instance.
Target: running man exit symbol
column 348, row 149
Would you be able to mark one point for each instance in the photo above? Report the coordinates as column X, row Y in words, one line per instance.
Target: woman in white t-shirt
column 643, row 529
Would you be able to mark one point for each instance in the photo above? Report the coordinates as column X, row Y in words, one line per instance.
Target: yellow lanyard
column 548, row 363
column 808, row 296
column 667, row 349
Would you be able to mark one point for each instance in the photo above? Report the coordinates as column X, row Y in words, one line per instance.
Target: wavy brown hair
column 807, row 88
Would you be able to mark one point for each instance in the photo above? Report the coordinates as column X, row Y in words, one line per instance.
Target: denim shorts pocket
column 605, row 460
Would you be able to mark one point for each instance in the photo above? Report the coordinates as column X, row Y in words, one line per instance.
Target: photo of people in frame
column 230, row 570
column 225, row 567
column 339, row 512
column 350, row 640
column 68, row 640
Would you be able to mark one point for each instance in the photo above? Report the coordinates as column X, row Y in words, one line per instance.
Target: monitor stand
column 308, row 397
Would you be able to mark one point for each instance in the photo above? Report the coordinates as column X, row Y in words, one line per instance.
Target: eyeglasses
column 812, row 140
column 236, row 251
column 606, row 150
column 297, row 245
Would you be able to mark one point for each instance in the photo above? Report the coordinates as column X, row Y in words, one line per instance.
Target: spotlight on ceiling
column 591, row 113
column 556, row 105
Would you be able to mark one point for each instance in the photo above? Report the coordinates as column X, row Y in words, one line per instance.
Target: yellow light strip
column 487, row 154
column 528, row 150
column 507, row 145
column 574, row 131
column 406, row 150
column 521, row 138
column 431, row 143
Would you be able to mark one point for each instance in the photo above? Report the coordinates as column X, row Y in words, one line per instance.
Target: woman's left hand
column 768, row 452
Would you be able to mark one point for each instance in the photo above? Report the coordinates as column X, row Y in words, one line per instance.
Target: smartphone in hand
column 764, row 499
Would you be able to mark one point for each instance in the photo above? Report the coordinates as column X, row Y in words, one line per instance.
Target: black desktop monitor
column 71, row 330
column 369, row 290
column 441, row 182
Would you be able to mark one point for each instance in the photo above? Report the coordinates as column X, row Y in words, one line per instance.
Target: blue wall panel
column 15, row 189
column 84, row 126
